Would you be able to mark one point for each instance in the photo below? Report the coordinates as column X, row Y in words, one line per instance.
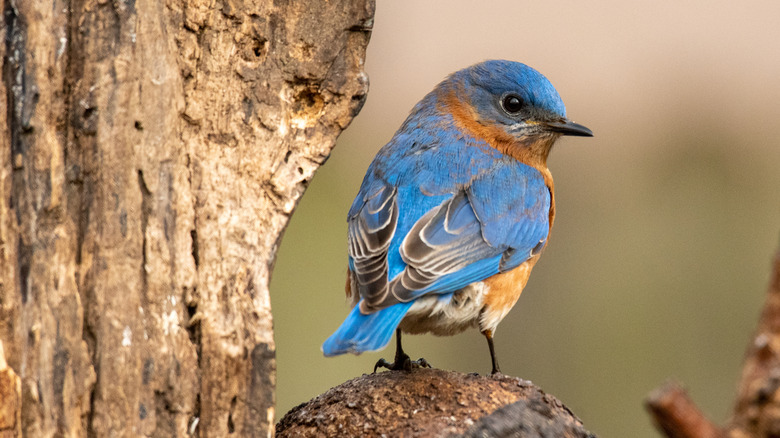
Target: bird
column 453, row 212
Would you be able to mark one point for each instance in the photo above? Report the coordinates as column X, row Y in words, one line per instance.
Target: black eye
column 512, row 103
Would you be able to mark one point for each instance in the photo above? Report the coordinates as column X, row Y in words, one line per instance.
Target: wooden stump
column 431, row 402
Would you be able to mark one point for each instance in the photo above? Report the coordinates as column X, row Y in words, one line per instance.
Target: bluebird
column 453, row 212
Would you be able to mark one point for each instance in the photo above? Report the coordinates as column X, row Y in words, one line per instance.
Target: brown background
column 667, row 220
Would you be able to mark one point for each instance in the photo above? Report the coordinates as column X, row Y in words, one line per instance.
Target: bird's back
column 453, row 211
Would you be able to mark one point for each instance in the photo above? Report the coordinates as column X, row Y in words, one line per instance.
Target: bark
column 757, row 408
column 677, row 416
column 10, row 400
column 430, row 402
column 153, row 152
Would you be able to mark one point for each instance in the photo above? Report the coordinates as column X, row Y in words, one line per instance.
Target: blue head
column 510, row 103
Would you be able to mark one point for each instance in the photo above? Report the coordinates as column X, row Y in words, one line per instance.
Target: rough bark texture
column 677, row 416
column 430, row 402
column 10, row 400
column 757, row 408
column 533, row 417
column 152, row 153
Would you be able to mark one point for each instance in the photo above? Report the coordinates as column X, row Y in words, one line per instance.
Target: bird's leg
column 489, row 336
column 402, row 360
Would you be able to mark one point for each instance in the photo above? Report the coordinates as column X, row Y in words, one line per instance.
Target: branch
column 757, row 408
column 430, row 402
column 677, row 416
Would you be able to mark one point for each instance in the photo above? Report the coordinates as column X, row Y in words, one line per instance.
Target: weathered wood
column 536, row 416
column 154, row 153
column 757, row 408
column 10, row 400
column 430, row 402
column 675, row 414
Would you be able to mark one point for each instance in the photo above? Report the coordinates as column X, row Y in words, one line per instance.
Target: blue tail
column 359, row 333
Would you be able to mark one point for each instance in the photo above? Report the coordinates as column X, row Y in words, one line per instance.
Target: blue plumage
column 460, row 194
column 360, row 333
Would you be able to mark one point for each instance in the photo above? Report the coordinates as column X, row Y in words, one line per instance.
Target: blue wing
column 487, row 227
column 425, row 235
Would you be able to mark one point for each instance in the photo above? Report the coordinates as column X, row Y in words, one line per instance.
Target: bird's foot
column 421, row 363
column 496, row 373
column 402, row 363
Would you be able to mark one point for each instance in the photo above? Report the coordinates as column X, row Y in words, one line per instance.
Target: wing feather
column 370, row 233
column 475, row 233
column 442, row 242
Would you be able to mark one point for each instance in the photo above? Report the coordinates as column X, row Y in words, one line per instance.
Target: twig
column 677, row 416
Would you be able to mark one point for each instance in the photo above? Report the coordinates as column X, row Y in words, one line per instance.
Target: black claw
column 405, row 363
column 422, row 363
column 402, row 360
column 382, row 363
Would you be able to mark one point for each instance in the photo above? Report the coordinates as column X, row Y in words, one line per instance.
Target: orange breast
column 505, row 288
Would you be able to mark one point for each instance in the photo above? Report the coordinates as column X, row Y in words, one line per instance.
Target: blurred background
column 667, row 219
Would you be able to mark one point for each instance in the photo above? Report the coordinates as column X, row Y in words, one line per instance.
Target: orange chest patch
column 505, row 288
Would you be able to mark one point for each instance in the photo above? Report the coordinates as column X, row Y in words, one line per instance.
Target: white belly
column 442, row 315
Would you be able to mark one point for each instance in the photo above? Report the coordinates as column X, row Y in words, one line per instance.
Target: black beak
column 567, row 127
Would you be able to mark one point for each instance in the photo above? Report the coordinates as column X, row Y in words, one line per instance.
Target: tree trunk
column 153, row 152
